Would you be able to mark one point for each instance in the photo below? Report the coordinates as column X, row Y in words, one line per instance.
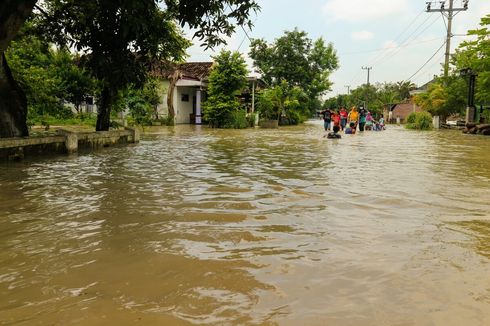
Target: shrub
column 411, row 118
column 237, row 120
column 226, row 81
column 419, row 121
column 167, row 121
column 251, row 119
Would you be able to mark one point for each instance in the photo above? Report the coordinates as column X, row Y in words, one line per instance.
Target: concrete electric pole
column 368, row 69
column 348, row 89
column 448, row 13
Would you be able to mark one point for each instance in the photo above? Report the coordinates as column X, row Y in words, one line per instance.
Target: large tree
column 296, row 59
column 118, row 39
column 475, row 54
column 13, row 103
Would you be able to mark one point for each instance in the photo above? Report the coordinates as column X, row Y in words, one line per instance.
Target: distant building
column 402, row 111
column 183, row 88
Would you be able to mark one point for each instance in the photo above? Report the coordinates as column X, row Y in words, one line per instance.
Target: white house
column 183, row 90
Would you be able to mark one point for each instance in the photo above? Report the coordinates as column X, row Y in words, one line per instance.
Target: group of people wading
column 348, row 122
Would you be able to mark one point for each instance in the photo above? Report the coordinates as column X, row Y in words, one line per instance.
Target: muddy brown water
column 251, row 227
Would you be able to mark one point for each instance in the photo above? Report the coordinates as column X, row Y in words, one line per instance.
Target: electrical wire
column 398, row 37
column 409, row 78
column 406, row 42
column 429, row 68
column 389, row 48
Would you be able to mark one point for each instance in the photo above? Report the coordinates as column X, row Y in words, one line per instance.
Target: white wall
column 183, row 109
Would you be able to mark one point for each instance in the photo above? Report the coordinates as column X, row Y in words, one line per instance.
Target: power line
column 409, row 78
column 420, row 75
column 382, row 56
column 449, row 14
column 391, row 47
column 406, row 42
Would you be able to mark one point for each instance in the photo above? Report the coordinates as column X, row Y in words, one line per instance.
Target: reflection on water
column 251, row 227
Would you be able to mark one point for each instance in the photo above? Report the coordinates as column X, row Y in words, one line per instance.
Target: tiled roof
column 402, row 110
column 189, row 70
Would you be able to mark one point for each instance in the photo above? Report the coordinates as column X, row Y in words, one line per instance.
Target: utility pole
column 449, row 14
column 348, row 89
column 368, row 69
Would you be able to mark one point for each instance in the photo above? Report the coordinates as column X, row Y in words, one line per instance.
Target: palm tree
column 404, row 87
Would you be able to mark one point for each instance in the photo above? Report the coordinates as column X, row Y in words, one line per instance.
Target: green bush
column 411, row 118
column 237, row 120
column 251, row 119
column 226, row 81
column 293, row 118
column 167, row 121
column 419, row 121
column 266, row 105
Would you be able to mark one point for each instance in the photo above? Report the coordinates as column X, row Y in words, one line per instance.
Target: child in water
column 335, row 133
column 351, row 129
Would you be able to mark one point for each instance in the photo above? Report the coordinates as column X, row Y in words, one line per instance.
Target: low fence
column 64, row 142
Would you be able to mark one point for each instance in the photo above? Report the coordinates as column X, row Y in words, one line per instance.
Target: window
column 185, row 98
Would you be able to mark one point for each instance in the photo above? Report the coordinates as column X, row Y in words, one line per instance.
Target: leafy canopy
column 296, row 59
column 227, row 79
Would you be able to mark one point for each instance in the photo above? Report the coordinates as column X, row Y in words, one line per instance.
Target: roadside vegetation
column 419, row 121
column 116, row 42
column 445, row 96
column 449, row 95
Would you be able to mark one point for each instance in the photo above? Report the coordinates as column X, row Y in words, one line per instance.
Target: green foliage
column 419, row 121
column 79, row 119
column 365, row 95
column 167, row 121
column 120, row 38
column 77, row 84
column 226, row 81
column 447, row 96
column 376, row 97
column 140, row 103
column 283, row 101
column 444, row 97
column 251, row 119
column 297, row 60
column 48, row 76
column 475, row 54
column 265, row 105
column 237, row 120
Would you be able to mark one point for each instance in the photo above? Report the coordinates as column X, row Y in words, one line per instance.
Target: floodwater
column 251, row 227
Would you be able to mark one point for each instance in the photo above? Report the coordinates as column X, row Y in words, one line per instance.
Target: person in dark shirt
column 327, row 119
column 335, row 133
column 351, row 129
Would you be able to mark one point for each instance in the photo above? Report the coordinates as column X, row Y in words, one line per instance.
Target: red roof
column 402, row 110
column 188, row 70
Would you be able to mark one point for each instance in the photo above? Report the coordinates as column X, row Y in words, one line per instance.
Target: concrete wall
column 64, row 142
column 183, row 109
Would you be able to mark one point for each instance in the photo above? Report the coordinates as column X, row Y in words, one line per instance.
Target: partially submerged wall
column 65, row 142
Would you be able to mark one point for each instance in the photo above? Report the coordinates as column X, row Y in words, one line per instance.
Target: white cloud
column 363, row 10
column 362, row 36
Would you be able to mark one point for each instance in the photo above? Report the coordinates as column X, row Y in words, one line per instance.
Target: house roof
column 423, row 88
column 188, row 70
column 402, row 110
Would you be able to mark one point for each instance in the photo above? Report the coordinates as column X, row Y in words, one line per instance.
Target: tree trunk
column 13, row 103
column 170, row 95
column 107, row 98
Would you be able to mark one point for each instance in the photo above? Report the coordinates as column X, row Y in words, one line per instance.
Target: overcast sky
column 394, row 37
